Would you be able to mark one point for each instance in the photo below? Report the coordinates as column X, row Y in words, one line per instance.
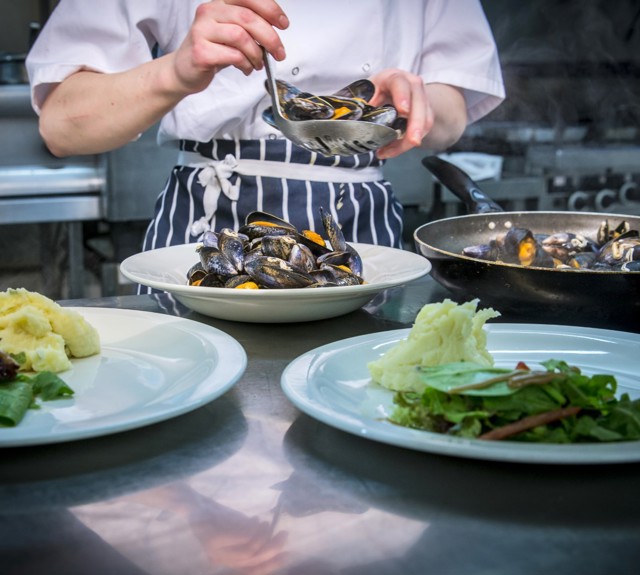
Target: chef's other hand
column 227, row 33
column 436, row 113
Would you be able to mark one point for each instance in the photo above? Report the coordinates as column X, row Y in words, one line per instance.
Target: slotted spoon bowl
column 328, row 137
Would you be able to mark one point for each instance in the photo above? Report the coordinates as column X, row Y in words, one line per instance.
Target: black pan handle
column 461, row 184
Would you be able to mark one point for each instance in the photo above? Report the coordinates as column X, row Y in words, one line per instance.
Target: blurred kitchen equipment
column 577, row 296
column 328, row 137
column 479, row 166
column 12, row 64
column 12, row 69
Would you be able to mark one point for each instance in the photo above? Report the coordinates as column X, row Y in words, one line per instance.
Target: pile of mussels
column 269, row 252
column 350, row 103
column 613, row 249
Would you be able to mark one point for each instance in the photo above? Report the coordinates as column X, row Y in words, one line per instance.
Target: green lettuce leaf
column 447, row 405
column 15, row 398
column 22, row 392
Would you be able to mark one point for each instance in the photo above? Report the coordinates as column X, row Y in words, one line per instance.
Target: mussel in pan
column 610, row 249
column 268, row 252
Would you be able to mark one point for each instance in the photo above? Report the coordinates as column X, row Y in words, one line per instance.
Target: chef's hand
column 227, row 33
column 436, row 113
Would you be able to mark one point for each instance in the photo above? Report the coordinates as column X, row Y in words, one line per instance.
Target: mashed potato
column 45, row 332
column 442, row 333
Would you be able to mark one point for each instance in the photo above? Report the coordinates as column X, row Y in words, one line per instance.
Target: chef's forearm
column 450, row 116
column 90, row 113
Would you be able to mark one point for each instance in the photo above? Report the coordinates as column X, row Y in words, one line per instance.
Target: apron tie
column 215, row 179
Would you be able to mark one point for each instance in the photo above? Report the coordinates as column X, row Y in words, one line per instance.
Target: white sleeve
column 459, row 50
column 105, row 36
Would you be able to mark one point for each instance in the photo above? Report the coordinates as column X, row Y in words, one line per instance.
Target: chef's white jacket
column 329, row 44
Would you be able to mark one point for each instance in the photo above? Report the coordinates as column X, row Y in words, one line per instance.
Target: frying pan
column 582, row 297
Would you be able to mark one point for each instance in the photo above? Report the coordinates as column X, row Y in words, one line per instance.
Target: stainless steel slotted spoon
column 328, row 137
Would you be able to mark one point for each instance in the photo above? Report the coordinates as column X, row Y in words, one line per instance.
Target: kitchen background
column 568, row 137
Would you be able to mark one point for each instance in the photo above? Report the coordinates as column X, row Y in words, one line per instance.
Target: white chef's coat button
column 272, row 136
column 366, row 67
column 295, row 71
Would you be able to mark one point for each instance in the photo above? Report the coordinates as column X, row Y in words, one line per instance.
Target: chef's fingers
column 268, row 10
column 408, row 95
column 241, row 28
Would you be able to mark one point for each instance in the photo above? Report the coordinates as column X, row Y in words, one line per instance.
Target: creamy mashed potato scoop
column 45, row 332
column 442, row 333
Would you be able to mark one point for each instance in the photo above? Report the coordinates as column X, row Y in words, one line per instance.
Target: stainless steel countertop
column 249, row 485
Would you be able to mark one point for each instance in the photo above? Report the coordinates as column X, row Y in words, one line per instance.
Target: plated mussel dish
column 350, row 103
column 610, row 249
column 268, row 252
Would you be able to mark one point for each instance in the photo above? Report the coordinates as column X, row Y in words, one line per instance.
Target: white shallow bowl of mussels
column 165, row 269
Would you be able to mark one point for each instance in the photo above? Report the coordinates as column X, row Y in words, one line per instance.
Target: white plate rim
column 216, row 383
column 208, row 292
column 295, row 385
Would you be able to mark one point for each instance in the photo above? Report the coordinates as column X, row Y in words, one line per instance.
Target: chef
column 103, row 73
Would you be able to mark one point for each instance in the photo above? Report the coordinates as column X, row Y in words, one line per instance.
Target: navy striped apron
column 219, row 182
column 218, row 191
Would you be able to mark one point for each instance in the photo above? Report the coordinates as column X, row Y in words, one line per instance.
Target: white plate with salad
column 151, row 367
column 333, row 384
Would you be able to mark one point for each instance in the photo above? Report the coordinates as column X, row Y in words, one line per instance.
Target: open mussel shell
column 241, row 281
column 360, row 89
column 270, row 252
column 307, row 107
column 286, row 91
column 279, row 246
column 276, row 273
column 342, row 276
column 384, row 115
column 260, row 216
column 196, row 273
column 258, row 224
column 310, row 107
column 349, row 103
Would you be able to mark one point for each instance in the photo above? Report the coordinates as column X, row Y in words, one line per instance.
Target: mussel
column 613, row 248
column 349, row 103
column 268, row 252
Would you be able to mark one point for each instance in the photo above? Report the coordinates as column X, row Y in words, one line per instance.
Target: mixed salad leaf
column 557, row 404
column 20, row 391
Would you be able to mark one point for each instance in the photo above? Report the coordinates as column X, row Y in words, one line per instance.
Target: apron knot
column 215, row 178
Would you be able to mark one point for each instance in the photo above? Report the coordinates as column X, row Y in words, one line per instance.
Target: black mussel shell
column 335, row 258
column 345, row 108
column 286, row 91
column 211, row 280
column 215, row 262
column 302, row 257
column 210, row 239
column 231, row 244
column 400, row 126
column 487, row 252
column 195, row 273
column 275, row 273
column 237, row 281
column 384, row 115
column 278, row 246
column 361, row 89
column 333, row 231
column 341, row 276
column 308, row 107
